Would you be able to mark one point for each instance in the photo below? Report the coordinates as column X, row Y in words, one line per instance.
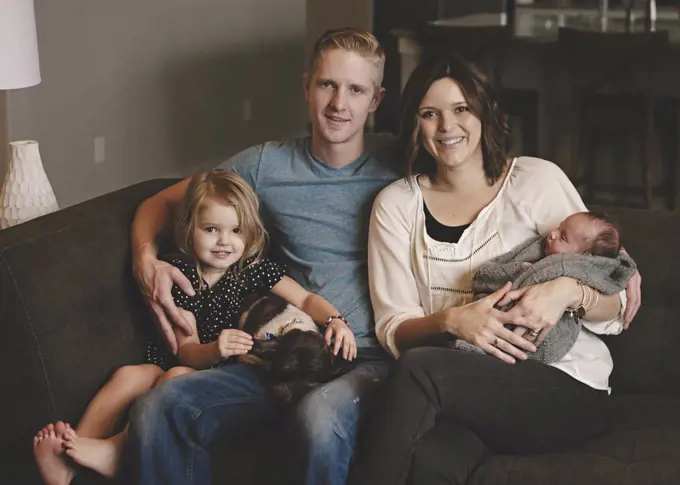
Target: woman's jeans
column 173, row 426
column 445, row 410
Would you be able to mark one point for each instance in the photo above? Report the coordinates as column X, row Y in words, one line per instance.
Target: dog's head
column 270, row 317
column 288, row 344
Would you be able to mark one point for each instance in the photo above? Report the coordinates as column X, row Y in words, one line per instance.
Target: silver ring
column 533, row 333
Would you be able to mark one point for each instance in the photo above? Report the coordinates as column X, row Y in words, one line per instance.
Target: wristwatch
column 333, row 317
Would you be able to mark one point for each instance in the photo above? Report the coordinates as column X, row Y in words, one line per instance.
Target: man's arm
column 155, row 278
column 153, row 216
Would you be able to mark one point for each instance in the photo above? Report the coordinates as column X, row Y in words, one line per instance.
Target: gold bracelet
column 583, row 296
column 589, row 300
column 593, row 302
column 579, row 311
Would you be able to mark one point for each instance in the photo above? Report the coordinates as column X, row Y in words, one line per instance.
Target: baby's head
column 219, row 224
column 584, row 233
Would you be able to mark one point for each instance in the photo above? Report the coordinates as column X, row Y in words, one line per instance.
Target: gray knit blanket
column 607, row 275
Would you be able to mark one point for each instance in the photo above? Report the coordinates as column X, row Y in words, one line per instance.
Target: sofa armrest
column 70, row 313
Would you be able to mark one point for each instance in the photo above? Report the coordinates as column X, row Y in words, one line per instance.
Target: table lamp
column 26, row 192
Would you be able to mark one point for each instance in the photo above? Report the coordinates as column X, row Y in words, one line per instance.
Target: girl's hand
column 234, row 342
column 480, row 324
column 339, row 331
column 540, row 306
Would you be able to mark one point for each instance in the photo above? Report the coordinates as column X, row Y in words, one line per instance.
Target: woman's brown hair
column 228, row 188
column 482, row 101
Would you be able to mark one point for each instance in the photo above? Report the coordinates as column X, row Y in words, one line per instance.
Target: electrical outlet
column 99, row 149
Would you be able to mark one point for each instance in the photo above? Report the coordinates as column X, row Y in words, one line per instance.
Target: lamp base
column 26, row 192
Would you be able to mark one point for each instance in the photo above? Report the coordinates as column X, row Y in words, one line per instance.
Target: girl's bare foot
column 49, row 455
column 102, row 456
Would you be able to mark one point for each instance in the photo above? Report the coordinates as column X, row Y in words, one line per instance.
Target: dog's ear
column 288, row 393
column 260, row 354
column 254, row 360
column 264, row 349
column 301, row 363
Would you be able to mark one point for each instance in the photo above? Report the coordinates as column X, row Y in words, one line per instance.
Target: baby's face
column 572, row 236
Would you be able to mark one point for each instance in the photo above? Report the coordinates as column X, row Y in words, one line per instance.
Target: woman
column 462, row 202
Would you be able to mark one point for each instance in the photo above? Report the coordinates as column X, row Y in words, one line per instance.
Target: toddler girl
column 221, row 238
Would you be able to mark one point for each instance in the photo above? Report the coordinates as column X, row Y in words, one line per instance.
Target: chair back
column 610, row 58
column 485, row 46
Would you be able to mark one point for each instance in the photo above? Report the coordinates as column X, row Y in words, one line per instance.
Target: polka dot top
column 217, row 308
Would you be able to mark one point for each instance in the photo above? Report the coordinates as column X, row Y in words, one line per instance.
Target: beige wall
column 3, row 134
column 327, row 14
column 163, row 81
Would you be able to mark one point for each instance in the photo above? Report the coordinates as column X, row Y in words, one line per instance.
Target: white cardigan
column 412, row 275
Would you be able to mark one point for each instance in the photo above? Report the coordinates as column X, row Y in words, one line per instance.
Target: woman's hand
column 634, row 299
column 340, row 335
column 480, row 324
column 540, row 306
column 155, row 279
column 234, row 342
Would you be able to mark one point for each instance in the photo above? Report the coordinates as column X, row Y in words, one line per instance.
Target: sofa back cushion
column 647, row 355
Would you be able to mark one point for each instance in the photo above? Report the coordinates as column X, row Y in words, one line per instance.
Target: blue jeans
column 173, row 426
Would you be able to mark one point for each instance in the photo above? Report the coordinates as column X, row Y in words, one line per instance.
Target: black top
column 439, row 232
column 219, row 307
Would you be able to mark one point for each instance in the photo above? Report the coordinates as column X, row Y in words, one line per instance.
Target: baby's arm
column 320, row 310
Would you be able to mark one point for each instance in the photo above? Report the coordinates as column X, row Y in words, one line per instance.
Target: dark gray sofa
column 70, row 314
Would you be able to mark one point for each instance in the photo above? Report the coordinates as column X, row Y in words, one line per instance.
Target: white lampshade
column 19, row 66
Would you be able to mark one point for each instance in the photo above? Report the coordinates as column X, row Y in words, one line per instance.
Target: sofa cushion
column 642, row 447
column 261, row 455
column 646, row 359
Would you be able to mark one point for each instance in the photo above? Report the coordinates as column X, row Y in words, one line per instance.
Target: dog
column 288, row 345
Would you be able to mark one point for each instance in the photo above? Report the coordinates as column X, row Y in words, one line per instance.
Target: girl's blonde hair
column 230, row 189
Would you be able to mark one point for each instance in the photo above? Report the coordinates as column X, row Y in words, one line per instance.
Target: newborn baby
column 584, row 233
column 586, row 247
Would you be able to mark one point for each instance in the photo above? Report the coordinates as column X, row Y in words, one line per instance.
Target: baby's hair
column 607, row 242
column 228, row 188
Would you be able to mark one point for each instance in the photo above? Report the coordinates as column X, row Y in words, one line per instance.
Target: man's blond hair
column 350, row 39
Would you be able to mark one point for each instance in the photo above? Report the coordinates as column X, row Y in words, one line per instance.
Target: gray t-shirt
column 317, row 217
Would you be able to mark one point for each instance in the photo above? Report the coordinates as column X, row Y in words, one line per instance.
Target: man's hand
column 634, row 296
column 340, row 335
column 155, row 279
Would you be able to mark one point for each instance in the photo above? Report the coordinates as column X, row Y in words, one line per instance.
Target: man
column 316, row 194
